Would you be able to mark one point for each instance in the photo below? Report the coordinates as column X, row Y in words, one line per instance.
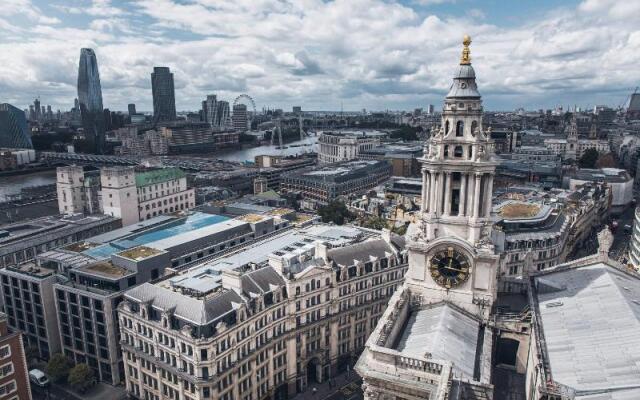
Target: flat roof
column 139, row 253
column 176, row 231
column 590, row 318
column 106, row 269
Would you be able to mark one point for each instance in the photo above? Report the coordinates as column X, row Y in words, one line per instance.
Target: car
column 38, row 378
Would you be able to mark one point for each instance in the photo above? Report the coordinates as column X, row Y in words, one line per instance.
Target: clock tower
column 451, row 257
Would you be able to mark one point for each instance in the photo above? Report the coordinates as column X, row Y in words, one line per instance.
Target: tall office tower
column 203, row 111
column 223, row 115
column 132, row 109
column 164, row 99
column 13, row 128
column 49, row 113
column 90, row 101
column 239, row 118
column 430, row 109
column 32, row 113
column 210, row 106
column 36, row 106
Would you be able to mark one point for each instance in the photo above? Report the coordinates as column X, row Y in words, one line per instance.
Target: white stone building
column 345, row 145
column 78, row 191
column 433, row 341
column 138, row 196
column 267, row 321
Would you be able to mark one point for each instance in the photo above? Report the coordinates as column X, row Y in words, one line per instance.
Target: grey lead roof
column 590, row 317
column 443, row 333
column 261, row 281
column 362, row 252
column 198, row 311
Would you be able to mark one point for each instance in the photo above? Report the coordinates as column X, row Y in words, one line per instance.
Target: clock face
column 449, row 267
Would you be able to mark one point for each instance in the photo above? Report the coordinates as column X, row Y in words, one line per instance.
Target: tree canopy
column 58, row 367
column 81, row 377
column 588, row 159
column 336, row 211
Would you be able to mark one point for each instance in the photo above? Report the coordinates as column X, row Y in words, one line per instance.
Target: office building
column 90, row 101
column 346, row 145
column 223, row 115
column 164, row 98
column 139, row 195
column 132, row 109
column 14, row 378
column 320, row 185
column 14, row 132
column 240, row 118
column 619, row 180
column 210, row 110
column 78, row 190
column 23, row 241
column 634, row 244
column 267, row 321
column 434, row 340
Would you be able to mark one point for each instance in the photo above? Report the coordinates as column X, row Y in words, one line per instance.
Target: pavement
column 347, row 386
column 100, row 391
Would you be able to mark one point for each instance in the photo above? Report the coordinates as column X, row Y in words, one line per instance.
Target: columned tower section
column 458, row 167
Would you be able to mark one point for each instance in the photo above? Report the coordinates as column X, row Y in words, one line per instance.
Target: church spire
column 466, row 53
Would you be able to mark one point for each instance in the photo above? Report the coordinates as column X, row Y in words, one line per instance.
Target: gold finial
column 466, row 54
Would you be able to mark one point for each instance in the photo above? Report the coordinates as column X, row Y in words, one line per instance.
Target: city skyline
column 321, row 55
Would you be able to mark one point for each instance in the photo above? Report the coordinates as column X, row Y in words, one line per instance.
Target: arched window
column 446, row 128
column 458, row 152
column 474, row 126
column 446, row 150
column 460, row 129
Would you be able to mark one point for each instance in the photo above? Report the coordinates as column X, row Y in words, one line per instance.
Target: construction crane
column 628, row 98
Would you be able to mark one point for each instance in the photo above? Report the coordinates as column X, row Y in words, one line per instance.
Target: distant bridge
column 87, row 159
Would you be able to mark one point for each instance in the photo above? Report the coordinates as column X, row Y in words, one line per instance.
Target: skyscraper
column 132, row 109
column 223, row 115
column 36, row 105
column 164, row 99
column 239, row 118
column 210, row 109
column 90, row 101
column 13, row 128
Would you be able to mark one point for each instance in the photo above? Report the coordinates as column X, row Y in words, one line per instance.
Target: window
column 5, row 351
column 6, row 369
column 8, row 388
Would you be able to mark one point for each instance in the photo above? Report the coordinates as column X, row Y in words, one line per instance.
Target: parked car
column 38, row 378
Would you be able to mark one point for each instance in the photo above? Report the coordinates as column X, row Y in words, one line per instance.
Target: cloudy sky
column 320, row 54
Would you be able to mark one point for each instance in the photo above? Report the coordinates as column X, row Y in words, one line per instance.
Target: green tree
column 588, row 159
column 81, row 377
column 58, row 367
column 336, row 211
column 375, row 223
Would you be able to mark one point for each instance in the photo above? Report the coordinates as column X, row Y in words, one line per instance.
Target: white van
column 38, row 377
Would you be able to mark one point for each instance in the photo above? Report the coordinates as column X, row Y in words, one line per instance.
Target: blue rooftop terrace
column 191, row 223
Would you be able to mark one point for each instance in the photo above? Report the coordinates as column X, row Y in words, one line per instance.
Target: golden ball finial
column 466, row 54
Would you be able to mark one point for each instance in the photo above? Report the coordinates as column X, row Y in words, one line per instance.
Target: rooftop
column 139, row 253
column 106, row 269
column 442, row 332
column 611, row 175
column 155, row 176
column 33, row 269
column 587, row 315
column 519, row 210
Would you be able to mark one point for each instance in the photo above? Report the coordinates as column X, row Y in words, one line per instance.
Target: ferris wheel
column 248, row 102
column 245, row 98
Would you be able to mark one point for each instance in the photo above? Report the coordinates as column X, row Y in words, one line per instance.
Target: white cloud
column 366, row 53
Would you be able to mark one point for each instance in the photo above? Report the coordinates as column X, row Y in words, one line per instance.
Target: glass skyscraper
column 164, row 100
column 14, row 132
column 90, row 101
